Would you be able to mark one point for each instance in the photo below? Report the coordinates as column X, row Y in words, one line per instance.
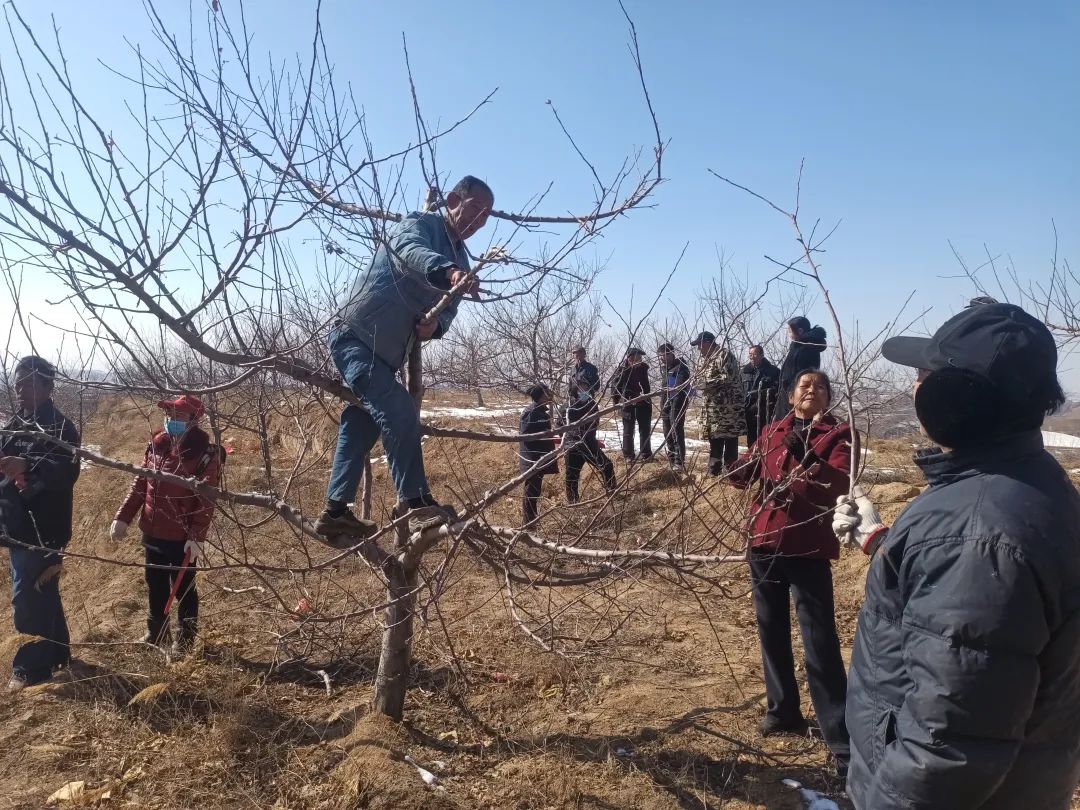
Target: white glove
column 117, row 531
column 857, row 522
column 193, row 548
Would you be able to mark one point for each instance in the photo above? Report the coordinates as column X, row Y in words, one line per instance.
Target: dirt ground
column 665, row 718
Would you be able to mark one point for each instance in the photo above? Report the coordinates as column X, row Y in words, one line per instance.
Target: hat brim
column 905, row 350
column 695, row 342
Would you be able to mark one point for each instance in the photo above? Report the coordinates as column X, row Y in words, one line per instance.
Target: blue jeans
column 37, row 612
column 389, row 411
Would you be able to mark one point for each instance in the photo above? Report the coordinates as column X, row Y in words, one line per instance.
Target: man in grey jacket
column 964, row 690
column 384, row 312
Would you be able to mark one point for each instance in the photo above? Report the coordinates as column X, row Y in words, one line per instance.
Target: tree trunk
column 393, row 675
column 479, row 398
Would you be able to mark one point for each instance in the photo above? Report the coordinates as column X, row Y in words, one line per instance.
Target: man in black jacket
column 964, row 689
column 631, row 382
column 674, row 395
column 804, row 353
column 36, row 496
column 761, row 379
column 582, row 446
column 584, row 376
column 536, row 418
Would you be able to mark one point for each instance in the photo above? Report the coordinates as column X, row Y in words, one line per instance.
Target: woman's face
column 810, row 396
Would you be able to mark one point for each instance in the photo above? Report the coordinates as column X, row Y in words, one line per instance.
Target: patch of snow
column 1052, row 439
column 469, row 413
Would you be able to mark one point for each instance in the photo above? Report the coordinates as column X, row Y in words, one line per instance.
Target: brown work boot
column 344, row 530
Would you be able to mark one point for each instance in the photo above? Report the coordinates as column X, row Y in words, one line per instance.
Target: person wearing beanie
column 964, row 688
column 536, row 418
column 174, row 520
column 36, row 495
column 804, row 352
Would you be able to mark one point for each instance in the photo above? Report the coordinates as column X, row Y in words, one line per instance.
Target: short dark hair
column 468, row 186
column 538, row 391
column 821, row 375
column 758, row 347
column 32, row 364
column 800, row 323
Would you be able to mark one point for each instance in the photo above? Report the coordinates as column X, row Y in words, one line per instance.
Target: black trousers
column 722, row 453
column 639, row 415
column 533, row 487
column 775, row 579
column 587, row 451
column 159, row 582
column 754, row 424
column 675, row 434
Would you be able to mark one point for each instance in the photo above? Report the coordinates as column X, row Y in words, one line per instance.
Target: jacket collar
column 942, row 465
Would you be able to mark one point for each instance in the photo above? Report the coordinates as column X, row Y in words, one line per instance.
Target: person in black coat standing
column 804, row 354
column 36, row 497
column 584, row 376
column 631, row 382
column 582, row 446
column 964, row 688
column 536, row 418
column 674, row 396
column 761, row 379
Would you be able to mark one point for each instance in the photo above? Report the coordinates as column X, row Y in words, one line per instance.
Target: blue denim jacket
column 406, row 278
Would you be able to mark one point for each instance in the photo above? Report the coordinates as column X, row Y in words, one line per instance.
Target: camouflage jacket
column 723, row 397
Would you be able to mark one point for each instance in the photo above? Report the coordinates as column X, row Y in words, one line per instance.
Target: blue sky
column 920, row 122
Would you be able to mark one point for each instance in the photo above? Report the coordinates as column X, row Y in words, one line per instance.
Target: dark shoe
column 840, row 769
column 342, row 530
column 157, row 632
column 771, row 725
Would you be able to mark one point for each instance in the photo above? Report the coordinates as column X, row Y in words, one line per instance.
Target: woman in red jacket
column 800, row 465
column 174, row 519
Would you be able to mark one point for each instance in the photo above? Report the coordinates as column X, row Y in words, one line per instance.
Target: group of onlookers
column 965, row 679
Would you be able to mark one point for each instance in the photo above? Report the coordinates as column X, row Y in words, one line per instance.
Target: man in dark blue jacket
column 384, row 313
column 536, row 418
column 36, row 494
column 964, row 690
column 674, row 396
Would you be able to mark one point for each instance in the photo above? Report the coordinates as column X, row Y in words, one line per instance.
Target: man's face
column 705, row 347
column 756, row 356
column 795, row 334
column 467, row 215
column 31, row 389
column 579, row 357
column 668, row 357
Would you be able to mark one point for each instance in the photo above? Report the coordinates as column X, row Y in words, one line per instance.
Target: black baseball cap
column 704, row 337
column 665, row 347
column 1001, row 343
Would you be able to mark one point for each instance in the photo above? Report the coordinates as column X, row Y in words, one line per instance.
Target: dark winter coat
column 584, row 379
column 792, row 511
column 761, row 384
column 964, row 690
column 536, row 419
column 802, row 355
column 630, row 382
column 581, row 416
column 675, row 387
column 170, row 511
column 39, row 512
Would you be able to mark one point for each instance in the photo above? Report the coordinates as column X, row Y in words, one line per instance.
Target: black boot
column 157, row 631
column 185, row 637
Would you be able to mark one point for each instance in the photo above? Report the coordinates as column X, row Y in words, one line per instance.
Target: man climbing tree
column 383, row 314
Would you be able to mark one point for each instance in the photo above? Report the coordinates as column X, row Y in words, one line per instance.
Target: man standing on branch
column 584, row 376
column 631, row 382
column 723, row 419
column 674, row 393
column 36, row 494
column 761, row 380
column 385, row 311
column 804, row 353
column 965, row 677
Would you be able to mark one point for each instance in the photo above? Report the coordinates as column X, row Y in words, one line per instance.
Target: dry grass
column 666, row 718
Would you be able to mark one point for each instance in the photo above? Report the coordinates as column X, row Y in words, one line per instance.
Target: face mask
column 175, row 427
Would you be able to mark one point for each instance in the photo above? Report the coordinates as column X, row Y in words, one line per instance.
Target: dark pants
column 37, row 611
column 810, row 581
column 533, row 487
column 641, row 416
column 722, row 453
column 675, row 433
column 587, row 451
column 754, row 424
column 159, row 582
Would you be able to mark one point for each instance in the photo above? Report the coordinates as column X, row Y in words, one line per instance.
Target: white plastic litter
column 815, row 801
column 428, row 777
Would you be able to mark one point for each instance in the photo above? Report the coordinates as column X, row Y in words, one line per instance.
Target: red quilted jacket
column 169, row 511
column 792, row 511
